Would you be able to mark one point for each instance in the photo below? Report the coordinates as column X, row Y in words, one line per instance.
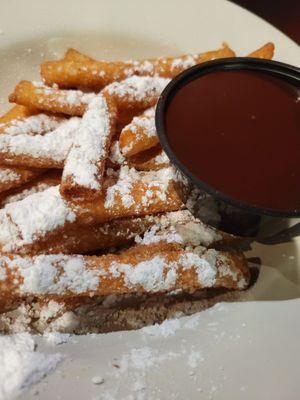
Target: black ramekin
column 232, row 216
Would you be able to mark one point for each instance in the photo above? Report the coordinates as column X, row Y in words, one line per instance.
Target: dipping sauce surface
column 239, row 132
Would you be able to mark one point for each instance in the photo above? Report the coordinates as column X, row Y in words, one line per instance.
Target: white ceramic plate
column 246, row 350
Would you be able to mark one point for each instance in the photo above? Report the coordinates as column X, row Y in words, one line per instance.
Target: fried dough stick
column 48, row 150
column 41, row 97
column 42, row 182
column 13, row 177
column 85, row 164
column 78, row 70
column 139, row 135
column 128, row 193
column 155, row 268
column 37, row 124
column 178, row 227
column 132, row 95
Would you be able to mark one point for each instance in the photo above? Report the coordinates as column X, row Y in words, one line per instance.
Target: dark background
column 284, row 14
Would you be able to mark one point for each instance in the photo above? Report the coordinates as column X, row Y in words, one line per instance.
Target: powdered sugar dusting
column 180, row 227
column 167, row 328
column 156, row 181
column 145, row 121
column 90, row 145
column 185, row 62
column 52, row 146
column 56, row 338
column 115, row 154
column 123, row 187
column 70, row 97
column 206, row 271
column 21, row 365
column 53, row 274
column 138, row 87
column 23, row 221
column 8, row 174
column 33, row 125
column 152, row 275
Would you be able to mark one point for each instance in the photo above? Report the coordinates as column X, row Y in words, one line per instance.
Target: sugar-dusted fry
column 37, row 124
column 130, row 193
column 266, row 51
column 38, row 184
column 127, row 193
column 152, row 159
column 147, row 269
column 85, row 164
column 16, row 112
column 11, row 177
column 78, row 71
column 40, row 97
column 76, row 239
column 173, row 227
column 139, row 135
column 136, row 93
column 39, row 151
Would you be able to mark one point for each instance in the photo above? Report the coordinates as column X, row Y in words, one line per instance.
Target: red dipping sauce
column 238, row 132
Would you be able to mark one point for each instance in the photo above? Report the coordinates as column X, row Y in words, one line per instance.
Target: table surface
column 283, row 14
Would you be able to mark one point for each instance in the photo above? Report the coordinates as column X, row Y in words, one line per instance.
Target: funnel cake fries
column 48, row 150
column 85, row 164
column 130, row 194
column 139, row 135
column 38, row 124
column 178, row 227
column 92, row 207
column 37, row 96
column 133, row 94
column 155, row 268
column 78, row 70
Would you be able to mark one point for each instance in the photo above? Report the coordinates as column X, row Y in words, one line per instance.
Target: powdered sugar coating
column 89, row 146
column 138, row 87
column 53, row 274
column 157, row 182
column 33, row 125
column 180, row 227
column 115, row 155
column 145, row 121
column 206, row 271
column 53, row 145
column 23, row 221
column 22, row 365
column 71, row 97
column 142, row 127
column 152, row 275
column 8, row 174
